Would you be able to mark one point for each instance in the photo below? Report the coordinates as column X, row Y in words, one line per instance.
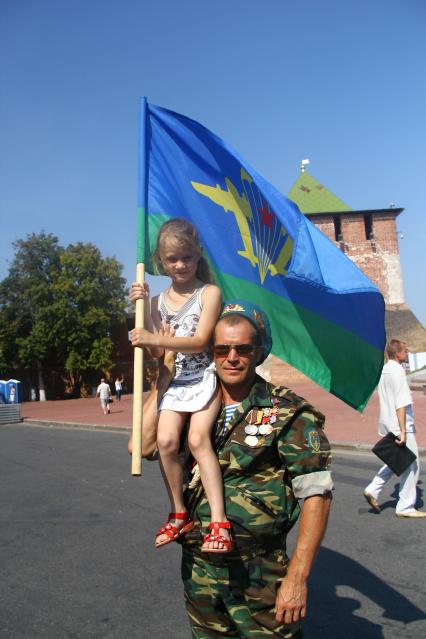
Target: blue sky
column 337, row 81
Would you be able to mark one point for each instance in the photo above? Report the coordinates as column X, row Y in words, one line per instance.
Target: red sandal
column 215, row 526
column 172, row 531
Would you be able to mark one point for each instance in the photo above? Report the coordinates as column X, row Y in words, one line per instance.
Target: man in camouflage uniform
column 273, row 453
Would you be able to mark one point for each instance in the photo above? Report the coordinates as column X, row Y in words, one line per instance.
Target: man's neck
column 235, row 394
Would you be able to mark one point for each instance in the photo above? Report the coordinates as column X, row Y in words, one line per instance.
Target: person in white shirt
column 396, row 416
column 104, row 393
column 118, row 388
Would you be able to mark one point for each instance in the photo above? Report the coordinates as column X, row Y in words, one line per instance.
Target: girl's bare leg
column 199, row 440
column 170, row 426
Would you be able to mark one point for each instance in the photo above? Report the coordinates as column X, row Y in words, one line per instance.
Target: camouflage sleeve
column 305, row 450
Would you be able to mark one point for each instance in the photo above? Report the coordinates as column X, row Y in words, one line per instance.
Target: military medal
column 265, row 429
column 251, row 429
column 251, row 440
column 254, row 416
column 250, row 417
column 273, row 419
column 266, row 416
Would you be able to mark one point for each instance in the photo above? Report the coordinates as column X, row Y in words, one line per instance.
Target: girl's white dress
column 194, row 382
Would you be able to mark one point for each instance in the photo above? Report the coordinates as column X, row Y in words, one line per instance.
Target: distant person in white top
column 118, row 388
column 12, row 394
column 104, row 393
column 396, row 416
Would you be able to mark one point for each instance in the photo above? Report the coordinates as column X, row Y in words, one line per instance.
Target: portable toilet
column 3, row 391
column 14, row 393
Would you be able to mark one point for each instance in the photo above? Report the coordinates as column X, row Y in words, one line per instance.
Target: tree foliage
column 58, row 307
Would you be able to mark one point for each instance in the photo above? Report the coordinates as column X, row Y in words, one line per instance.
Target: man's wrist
column 297, row 570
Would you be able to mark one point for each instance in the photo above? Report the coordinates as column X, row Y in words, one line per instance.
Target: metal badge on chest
column 259, row 422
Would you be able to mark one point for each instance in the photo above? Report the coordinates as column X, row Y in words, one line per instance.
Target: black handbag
column 397, row 457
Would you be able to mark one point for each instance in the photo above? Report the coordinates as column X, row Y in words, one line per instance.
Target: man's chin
column 232, row 376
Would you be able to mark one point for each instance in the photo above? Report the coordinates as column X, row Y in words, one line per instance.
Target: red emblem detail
column 267, row 217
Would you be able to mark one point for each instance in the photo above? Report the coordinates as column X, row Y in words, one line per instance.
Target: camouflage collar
column 259, row 395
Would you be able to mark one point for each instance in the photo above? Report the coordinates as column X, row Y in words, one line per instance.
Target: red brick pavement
column 343, row 424
column 81, row 411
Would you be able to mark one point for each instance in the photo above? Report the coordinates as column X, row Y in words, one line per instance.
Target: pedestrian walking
column 104, row 393
column 118, row 388
column 397, row 417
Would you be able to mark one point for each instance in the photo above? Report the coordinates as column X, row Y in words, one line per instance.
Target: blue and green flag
column 327, row 318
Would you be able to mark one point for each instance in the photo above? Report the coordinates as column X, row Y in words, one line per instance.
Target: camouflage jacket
column 264, row 475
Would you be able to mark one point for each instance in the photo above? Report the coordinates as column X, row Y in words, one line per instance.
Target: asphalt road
column 77, row 558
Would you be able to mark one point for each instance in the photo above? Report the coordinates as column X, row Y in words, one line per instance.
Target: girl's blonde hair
column 182, row 234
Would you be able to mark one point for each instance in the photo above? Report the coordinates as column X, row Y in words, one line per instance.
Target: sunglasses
column 243, row 350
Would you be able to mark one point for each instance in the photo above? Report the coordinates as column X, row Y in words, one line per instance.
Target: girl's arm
column 152, row 319
column 158, row 329
column 141, row 292
column 212, row 300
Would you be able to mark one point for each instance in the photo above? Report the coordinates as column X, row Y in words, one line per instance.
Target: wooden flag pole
column 138, row 383
column 140, row 279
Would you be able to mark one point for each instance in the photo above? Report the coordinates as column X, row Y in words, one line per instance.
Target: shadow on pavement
column 332, row 615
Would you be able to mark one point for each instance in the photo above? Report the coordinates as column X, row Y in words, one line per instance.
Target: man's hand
column 290, row 604
column 400, row 441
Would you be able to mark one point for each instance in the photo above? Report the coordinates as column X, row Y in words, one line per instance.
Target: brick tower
column 369, row 238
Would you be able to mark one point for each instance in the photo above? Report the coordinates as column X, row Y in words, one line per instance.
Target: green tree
column 24, row 295
column 58, row 307
column 89, row 296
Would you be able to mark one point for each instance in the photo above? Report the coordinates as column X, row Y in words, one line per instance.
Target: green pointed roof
column 312, row 197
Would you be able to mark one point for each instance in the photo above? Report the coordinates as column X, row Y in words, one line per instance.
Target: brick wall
column 377, row 257
column 326, row 224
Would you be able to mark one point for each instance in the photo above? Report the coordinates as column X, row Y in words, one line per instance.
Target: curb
column 47, row 423
column 364, row 448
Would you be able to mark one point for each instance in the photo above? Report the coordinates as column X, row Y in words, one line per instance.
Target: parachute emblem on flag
column 267, row 244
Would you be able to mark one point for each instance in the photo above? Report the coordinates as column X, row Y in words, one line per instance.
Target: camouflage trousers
column 234, row 598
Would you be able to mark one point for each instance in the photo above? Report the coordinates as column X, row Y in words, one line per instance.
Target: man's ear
column 259, row 358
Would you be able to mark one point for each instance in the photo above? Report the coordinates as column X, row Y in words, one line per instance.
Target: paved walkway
column 343, row 424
